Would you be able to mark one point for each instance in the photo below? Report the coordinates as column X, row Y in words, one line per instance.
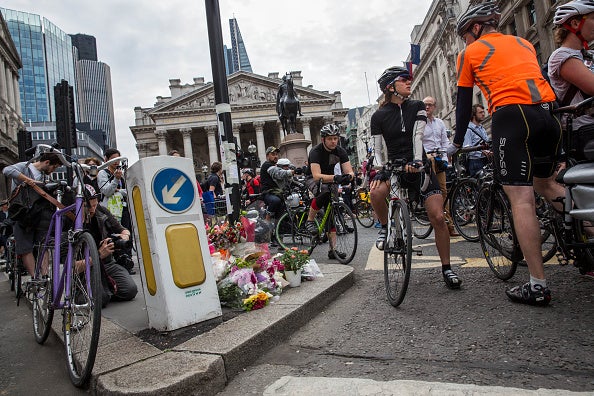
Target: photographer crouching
column 112, row 241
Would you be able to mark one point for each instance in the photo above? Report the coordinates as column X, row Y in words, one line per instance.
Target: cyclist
column 436, row 137
column 27, row 236
column 401, row 121
column 271, row 193
column 321, row 162
column 251, row 182
column 475, row 134
column 523, row 127
column 571, row 67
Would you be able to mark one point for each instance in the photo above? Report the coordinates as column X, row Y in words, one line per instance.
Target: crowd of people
column 520, row 100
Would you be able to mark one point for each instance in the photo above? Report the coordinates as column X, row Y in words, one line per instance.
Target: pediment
column 245, row 89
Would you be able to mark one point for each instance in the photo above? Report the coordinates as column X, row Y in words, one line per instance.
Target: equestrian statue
column 287, row 105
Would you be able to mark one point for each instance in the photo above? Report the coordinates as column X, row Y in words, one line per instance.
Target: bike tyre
column 364, row 212
column 42, row 301
column 398, row 254
column 85, row 306
column 462, row 209
column 346, row 240
column 293, row 233
column 499, row 257
column 421, row 226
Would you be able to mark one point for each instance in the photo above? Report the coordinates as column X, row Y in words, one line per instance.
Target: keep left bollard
column 179, row 284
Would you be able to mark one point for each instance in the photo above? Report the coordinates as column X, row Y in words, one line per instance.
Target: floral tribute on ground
column 247, row 276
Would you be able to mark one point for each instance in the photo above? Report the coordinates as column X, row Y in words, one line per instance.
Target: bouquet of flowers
column 225, row 235
column 256, row 301
column 294, row 259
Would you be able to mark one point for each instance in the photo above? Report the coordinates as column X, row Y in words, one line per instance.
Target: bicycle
column 69, row 281
column 290, row 228
column 362, row 208
column 398, row 246
column 14, row 268
column 337, row 224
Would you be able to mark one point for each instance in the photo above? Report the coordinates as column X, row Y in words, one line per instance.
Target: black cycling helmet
column 248, row 171
column 390, row 75
column 329, row 130
column 485, row 14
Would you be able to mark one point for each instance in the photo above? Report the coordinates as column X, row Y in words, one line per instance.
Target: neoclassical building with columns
column 10, row 103
column 187, row 122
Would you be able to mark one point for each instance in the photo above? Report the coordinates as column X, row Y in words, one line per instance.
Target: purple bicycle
column 65, row 278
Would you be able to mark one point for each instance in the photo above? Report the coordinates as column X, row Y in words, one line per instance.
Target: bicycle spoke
column 463, row 208
column 398, row 254
column 40, row 293
column 82, row 319
column 345, row 244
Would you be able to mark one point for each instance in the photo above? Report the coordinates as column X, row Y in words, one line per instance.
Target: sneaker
column 377, row 224
column 333, row 253
column 525, row 295
column 311, row 227
column 381, row 239
column 451, row 279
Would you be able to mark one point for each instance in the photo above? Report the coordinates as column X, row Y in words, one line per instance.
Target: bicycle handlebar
column 576, row 108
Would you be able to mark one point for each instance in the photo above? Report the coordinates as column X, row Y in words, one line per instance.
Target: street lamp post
column 252, row 149
column 365, row 139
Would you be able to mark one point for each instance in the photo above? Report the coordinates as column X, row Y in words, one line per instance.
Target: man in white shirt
column 436, row 137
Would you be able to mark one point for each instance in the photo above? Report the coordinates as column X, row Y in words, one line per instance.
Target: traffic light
column 24, row 142
column 242, row 160
column 65, row 120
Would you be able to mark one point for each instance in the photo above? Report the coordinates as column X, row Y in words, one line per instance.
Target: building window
column 479, row 99
column 531, row 13
column 538, row 53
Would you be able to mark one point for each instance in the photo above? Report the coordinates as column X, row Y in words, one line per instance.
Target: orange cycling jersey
column 505, row 68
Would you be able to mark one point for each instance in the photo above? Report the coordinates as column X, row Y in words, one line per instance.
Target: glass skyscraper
column 236, row 58
column 46, row 53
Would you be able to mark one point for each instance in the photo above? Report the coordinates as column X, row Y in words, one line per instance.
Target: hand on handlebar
column 342, row 179
column 413, row 167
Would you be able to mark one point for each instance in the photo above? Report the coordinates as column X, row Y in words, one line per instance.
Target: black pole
column 223, row 108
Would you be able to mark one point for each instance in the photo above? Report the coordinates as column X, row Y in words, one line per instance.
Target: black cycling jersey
column 327, row 159
column 396, row 130
column 267, row 183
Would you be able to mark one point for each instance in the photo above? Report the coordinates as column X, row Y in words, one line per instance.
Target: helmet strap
column 578, row 31
column 397, row 94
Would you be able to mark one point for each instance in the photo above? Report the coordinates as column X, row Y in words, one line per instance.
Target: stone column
column 259, row 125
column 17, row 99
column 3, row 82
column 306, row 132
column 10, row 91
column 212, row 144
column 236, row 134
column 187, row 136
column 161, row 135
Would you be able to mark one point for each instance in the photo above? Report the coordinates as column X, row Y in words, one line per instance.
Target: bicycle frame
column 57, row 278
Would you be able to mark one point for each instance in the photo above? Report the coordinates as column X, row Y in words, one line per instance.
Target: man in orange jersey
column 520, row 100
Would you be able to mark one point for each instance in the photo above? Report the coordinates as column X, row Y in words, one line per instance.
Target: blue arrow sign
column 173, row 190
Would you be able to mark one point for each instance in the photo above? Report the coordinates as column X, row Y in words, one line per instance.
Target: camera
column 119, row 243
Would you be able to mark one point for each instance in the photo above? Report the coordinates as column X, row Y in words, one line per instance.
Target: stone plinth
column 294, row 147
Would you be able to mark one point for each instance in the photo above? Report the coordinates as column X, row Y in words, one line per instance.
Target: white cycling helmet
column 571, row 9
column 283, row 162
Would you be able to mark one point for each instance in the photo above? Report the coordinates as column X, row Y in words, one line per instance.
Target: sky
column 338, row 45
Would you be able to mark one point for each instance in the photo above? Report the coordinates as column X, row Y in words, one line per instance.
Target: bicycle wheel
column 462, row 209
column 583, row 231
column 11, row 262
column 18, row 278
column 421, row 226
column 82, row 318
column 41, row 297
column 546, row 218
column 398, row 254
column 291, row 232
column 345, row 245
column 364, row 213
column 496, row 234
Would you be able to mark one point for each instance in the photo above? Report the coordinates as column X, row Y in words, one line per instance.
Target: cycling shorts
column 412, row 182
column 526, row 142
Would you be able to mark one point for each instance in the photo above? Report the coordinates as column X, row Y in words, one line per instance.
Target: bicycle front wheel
column 291, row 231
column 41, row 296
column 364, row 213
column 82, row 319
column 462, row 209
column 345, row 245
column 496, row 233
column 421, row 226
column 398, row 254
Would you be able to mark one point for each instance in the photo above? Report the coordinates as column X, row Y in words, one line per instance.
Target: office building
column 236, row 57
column 46, row 54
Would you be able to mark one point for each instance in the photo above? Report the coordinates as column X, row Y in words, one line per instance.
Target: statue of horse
column 288, row 105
